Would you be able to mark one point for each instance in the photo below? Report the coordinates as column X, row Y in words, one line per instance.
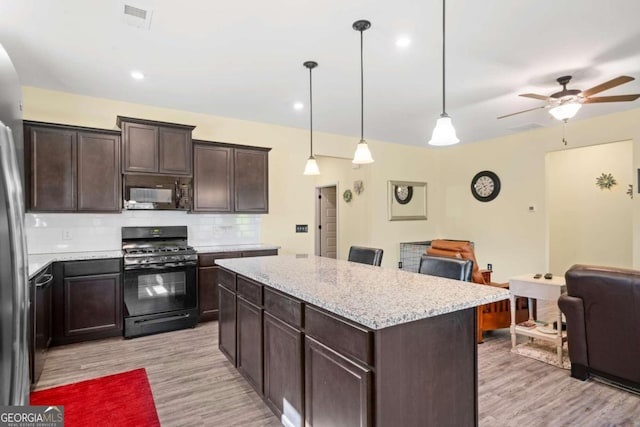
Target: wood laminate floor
column 193, row 384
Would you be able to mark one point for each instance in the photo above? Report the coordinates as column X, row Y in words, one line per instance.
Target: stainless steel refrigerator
column 14, row 295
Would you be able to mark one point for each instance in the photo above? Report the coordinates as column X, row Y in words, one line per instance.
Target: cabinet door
column 212, row 178
column 98, row 172
column 250, row 343
column 227, row 323
column 175, row 151
column 283, row 369
column 251, row 180
column 337, row 391
column 140, row 148
column 93, row 306
column 52, row 155
column 208, row 293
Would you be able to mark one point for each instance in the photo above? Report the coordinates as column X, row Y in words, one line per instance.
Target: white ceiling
column 243, row 58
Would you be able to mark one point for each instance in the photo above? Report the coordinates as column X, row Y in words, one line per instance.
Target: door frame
column 317, row 215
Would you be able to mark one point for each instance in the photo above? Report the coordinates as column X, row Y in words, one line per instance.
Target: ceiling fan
column 565, row 104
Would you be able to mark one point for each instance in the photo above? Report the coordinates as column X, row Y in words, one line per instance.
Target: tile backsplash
column 53, row 233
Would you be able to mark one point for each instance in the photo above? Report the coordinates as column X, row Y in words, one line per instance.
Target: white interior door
column 327, row 236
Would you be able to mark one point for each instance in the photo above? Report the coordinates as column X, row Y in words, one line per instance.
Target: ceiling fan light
column 444, row 132
column 363, row 154
column 311, row 168
column 565, row 111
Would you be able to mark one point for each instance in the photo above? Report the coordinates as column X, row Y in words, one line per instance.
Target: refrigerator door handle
column 19, row 394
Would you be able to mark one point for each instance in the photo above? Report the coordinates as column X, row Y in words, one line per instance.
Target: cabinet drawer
column 207, row 260
column 346, row 338
column 266, row 252
column 283, row 307
column 227, row 279
column 91, row 267
column 250, row 290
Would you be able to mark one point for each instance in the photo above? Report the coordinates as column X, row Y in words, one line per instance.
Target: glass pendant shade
column 444, row 132
column 311, row 168
column 565, row 111
column 362, row 155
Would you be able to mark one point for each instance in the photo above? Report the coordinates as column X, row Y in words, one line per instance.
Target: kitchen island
column 330, row 342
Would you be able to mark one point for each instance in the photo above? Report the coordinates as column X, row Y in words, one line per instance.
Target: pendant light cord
column 310, row 114
column 444, row 112
column 361, row 86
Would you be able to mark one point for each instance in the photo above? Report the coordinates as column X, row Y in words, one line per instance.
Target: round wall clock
column 485, row 186
column 403, row 193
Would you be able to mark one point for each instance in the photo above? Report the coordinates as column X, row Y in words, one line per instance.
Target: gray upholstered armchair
column 602, row 307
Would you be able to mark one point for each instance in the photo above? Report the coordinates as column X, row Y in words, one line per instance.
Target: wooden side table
column 546, row 289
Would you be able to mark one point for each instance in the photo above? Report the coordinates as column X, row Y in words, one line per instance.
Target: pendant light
column 443, row 133
column 362, row 155
column 311, row 168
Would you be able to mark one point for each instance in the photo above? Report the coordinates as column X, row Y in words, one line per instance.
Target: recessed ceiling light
column 138, row 75
column 403, row 41
column 298, row 106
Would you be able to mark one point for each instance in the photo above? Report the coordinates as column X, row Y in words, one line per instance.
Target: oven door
column 160, row 289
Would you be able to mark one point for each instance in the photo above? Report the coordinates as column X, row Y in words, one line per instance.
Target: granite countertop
column 375, row 297
column 37, row 262
column 233, row 248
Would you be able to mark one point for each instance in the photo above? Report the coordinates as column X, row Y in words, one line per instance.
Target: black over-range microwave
column 156, row 192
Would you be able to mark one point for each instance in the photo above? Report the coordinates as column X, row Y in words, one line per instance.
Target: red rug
column 121, row 400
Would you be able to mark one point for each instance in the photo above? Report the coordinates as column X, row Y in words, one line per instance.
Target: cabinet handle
column 48, row 278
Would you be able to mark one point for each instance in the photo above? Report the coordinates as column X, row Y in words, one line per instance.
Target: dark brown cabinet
column 208, row 283
column 227, row 323
column 213, row 178
column 87, row 302
column 230, row 178
column 208, row 279
column 283, row 375
column 71, row 169
column 249, row 350
column 251, row 180
column 337, row 390
column 155, row 147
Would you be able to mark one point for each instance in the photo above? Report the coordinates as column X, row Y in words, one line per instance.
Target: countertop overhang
column 375, row 297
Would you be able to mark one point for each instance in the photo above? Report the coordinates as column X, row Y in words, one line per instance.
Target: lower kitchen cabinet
column 208, row 279
column 88, row 301
column 337, row 390
column 249, row 330
column 227, row 323
column 283, row 374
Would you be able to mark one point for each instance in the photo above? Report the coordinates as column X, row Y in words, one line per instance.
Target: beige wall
column 505, row 233
column 587, row 224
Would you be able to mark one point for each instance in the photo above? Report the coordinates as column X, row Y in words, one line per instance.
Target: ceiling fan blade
column 616, row 98
column 520, row 112
column 534, row 96
column 607, row 85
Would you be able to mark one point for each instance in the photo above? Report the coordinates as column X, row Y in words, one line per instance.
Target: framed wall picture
column 407, row 200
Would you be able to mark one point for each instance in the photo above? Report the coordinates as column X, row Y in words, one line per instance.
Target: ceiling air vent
column 136, row 16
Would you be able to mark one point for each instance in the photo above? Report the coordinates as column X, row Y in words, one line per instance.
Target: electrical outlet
column 302, row 228
column 67, row 235
column 490, row 267
column 400, row 264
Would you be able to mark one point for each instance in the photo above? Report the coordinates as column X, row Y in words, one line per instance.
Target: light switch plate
column 302, row 228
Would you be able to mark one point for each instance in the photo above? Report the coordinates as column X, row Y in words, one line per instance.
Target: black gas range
column 160, row 280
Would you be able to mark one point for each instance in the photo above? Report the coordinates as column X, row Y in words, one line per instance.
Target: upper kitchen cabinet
column 155, row 147
column 251, row 180
column 230, row 178
column 71, row 169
